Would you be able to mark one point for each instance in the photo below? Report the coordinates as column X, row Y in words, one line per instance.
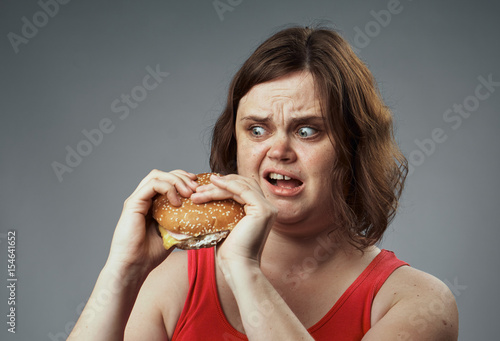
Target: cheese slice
column 187, row 242
column 168, row 240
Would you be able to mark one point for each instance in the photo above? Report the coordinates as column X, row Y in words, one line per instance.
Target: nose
column 281, row 149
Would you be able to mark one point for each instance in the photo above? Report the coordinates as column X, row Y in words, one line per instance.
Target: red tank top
column 348, row 320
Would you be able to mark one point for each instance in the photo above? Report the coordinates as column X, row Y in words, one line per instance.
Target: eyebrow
column 294, row 120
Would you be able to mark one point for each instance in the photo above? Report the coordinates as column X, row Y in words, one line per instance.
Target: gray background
column 426, row 59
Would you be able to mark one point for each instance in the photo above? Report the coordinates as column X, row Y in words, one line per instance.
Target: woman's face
column 283, row 144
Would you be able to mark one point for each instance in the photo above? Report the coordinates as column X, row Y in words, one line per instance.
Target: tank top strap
column 202, row 315
column 350, row 316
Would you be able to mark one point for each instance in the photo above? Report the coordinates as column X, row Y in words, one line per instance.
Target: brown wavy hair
column 369, row 173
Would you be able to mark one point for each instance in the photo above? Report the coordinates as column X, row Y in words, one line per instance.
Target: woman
column 307, row 146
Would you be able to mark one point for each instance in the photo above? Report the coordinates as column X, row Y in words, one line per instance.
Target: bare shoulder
column 160, row 300
column 413, row 305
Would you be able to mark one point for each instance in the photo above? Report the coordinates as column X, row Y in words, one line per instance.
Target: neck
column 293, row 262
column 283, row 251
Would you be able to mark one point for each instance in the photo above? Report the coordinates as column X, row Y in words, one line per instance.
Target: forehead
column 296, row 91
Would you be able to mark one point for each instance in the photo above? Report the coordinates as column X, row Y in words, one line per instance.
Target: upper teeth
column 276, row 176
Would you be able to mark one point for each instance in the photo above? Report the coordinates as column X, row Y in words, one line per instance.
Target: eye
column 306, row 132
column 257, row 131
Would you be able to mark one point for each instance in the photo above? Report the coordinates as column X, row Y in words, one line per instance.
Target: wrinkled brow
column 296, row 120
column 309, row 119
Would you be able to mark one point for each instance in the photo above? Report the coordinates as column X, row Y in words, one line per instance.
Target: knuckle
column 245, row 187
column 161, row 186
column 176, row 180
column 153, row 173
column 126, row 203
column 179, row 173
column 177, row 183
column 166, row 187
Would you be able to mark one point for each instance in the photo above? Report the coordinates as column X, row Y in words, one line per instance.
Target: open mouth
column 283, row 181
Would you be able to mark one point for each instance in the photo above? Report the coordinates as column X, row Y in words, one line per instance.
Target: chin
column 300, row 220
column 286, row 217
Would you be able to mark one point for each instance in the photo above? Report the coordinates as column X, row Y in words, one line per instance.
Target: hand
column 136, row 241
column 245, row 243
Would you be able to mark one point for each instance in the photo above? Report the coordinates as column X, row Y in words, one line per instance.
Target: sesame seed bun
column 194, row 226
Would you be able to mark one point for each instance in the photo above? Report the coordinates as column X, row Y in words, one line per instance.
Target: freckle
column 445, row 323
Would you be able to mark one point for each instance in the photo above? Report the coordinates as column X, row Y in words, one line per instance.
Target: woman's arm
column 253, row 293
column 239, row 260
column 109, row 306
column 160, row 301
column 136, row 249
column 420, row 308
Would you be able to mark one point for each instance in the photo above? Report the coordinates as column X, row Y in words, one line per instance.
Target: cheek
column 319, row 160
column 250, row 156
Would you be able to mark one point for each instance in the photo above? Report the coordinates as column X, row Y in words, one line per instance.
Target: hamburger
column 194, row 226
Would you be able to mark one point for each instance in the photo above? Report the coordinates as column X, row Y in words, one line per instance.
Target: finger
column 243, row 190
column 207, row 188
column 239, row 186
column 182, row 180
column 171, row 184
column 185, row 186
column 204, row 188
column 140, row 201
column 189, row 178
column 158, row 174
column 210, row 193
column 222, row 181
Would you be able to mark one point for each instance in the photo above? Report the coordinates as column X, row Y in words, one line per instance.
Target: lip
column 281, row 191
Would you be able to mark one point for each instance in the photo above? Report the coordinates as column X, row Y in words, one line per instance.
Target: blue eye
column 306, row 131
column 257, row 131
